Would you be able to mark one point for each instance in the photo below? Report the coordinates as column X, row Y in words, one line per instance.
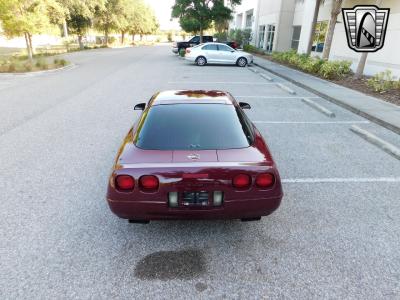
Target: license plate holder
column 198, row 198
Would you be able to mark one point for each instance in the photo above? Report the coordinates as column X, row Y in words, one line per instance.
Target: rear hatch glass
column 192, row 127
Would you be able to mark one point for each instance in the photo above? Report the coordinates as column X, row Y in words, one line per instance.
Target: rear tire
column 201, row 61
column 241, row 62
column 251, row 219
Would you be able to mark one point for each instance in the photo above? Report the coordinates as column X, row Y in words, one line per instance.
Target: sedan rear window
column 193, row 126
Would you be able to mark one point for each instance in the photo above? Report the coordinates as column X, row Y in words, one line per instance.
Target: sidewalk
column 376, row 110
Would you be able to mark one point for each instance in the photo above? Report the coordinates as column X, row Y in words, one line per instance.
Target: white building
column 279, row 25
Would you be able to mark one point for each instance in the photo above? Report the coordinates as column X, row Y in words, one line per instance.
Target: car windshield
column 193, row 126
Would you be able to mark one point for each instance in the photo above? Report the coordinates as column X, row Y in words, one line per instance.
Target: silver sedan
column 217, row 53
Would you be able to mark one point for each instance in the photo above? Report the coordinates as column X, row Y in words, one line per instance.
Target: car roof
column 191, row 96
column 214, row 43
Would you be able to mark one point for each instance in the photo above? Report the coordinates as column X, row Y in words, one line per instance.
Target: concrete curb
column 70, row 66
column 252, row 70
column 318, row 107
column 373, row 139
column 266, row 77
column 351, row 108
column 286, row 88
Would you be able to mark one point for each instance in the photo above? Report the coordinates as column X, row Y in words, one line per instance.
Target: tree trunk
column 363, row 59
column 141, row 37
column 314, row 24
column 65, row 28
column 336, row 6
column 30, row 43
column 122, row 37
column 201, row 34
column 28, row 47
column 106, row 36
column 361, row 65
column 80, row 42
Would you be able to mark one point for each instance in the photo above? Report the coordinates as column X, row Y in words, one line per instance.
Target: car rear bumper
column 159, row 210
column 190, row 58
column 175, row 50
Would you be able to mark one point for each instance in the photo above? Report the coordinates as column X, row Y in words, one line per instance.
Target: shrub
column 12, row 67
column 315, row 65
column 383, row 81
column 221, row 36
column 63, row 62
column 312, row 65
column 41, row 64
column 334, row 69
column 246, row 34
column 112, row 40
column 242, row 37
column 28, row 66
column 253, row 49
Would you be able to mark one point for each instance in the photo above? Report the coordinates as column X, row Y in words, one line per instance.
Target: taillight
column 241, row 181
column 187, row 50
column 124, row 182
column 265, row 180
column 148, row 182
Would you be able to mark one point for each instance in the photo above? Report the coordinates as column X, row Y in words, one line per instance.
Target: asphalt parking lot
column 336, row 234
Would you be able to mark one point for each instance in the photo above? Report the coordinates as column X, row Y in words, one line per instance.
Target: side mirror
column 244, row 105
column 140, row 106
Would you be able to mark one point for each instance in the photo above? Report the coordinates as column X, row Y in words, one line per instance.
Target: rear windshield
column 193, row 126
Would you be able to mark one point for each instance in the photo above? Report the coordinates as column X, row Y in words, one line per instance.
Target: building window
column 249, row 20
column 239, row 19
column 296, row 37
column 319, row 36
column 261, row 36
column 270, row 38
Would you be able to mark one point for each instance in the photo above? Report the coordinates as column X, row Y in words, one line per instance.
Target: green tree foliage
column 108, row 18
column 143, row 20
column 28, row 17
column 80, row 14
column 25, row 18
column 198, row 15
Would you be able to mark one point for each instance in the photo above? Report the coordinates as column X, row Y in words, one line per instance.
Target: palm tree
column 363, row 58
column 336, row 8
column 314, row 24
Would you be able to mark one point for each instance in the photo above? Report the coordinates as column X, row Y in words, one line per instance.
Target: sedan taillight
column 148, row 182
column 124, row 183
column 265, row 180
column 241, row 181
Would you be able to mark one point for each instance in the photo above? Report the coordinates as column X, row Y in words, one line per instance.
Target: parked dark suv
column 177, row 46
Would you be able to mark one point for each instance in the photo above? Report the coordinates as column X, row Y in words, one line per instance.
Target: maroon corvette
column 193, row 155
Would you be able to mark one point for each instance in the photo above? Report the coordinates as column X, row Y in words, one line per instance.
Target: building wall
column 284, row 14
column 241, row 17
column 386, row 58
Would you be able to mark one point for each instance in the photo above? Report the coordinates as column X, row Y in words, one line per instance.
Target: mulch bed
column 392, row 96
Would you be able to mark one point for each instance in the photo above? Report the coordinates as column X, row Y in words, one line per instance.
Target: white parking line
column 312, row 122
column 221, row 82
column 340, row 180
